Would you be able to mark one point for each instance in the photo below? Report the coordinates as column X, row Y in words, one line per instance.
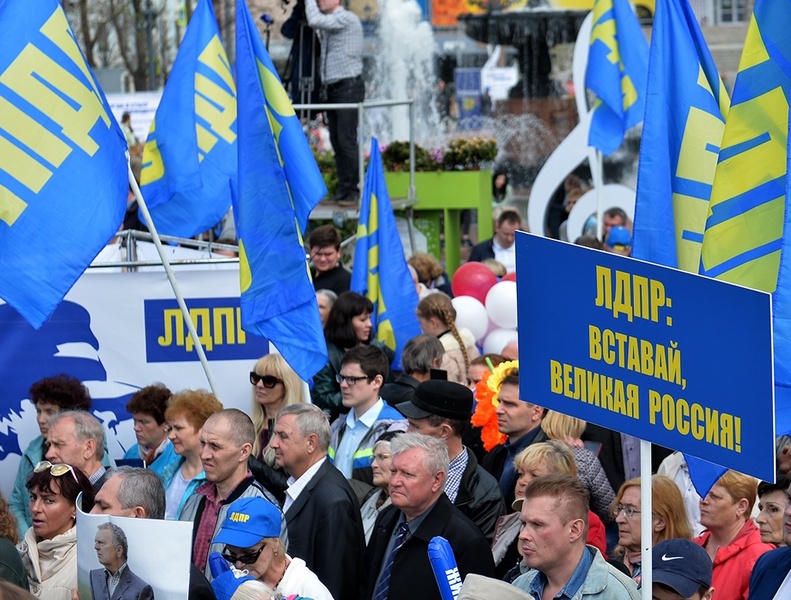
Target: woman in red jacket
column 731, row 538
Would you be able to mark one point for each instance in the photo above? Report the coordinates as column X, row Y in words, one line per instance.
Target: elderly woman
column 250, row 534
column 534, row 461
column 325, row 299
column 731, row 538
column 772, row 501
column 379, row 499
column 147, row 407
column 186, row 413
column 558, row 426
column 49, row 550
column 669, row 519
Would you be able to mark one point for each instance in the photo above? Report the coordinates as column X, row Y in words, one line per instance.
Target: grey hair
column 86, row 427
column 422, row 353
column 240, row 425
column 329, row 295
column 310, row 419
column 118, row 535
column 435, row 450
column 141, row 487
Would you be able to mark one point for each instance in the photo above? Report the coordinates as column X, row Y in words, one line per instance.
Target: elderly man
column 226, row 441
column 139, row 494
column 116, row 580
column 554, row 515
column 441, row 409
column 322, row 514
column 397, row 563
column 521, row 422
column 77, row 438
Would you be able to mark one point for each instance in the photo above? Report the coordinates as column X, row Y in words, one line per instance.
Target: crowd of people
column 337, row 493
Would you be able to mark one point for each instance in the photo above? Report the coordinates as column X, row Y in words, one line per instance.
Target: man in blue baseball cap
column 682, row 571
column 619, row 241
column 250, row 532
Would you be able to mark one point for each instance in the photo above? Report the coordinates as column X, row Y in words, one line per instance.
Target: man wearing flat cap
column 441, row 409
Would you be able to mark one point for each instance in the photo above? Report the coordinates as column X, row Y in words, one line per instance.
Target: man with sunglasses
column 226, row 442
column 322, row 513
column 139, row 494
column 353, row 436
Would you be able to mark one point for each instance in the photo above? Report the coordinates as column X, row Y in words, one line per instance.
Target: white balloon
column 501, row 304
column 470, row 313
column 498, row 339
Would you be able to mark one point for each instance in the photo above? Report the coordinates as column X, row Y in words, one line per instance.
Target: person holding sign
column 731, row 538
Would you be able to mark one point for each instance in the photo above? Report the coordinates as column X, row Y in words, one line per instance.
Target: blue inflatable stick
column 443, row 563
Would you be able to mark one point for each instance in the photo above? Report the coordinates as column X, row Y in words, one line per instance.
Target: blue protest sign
column 670, row 357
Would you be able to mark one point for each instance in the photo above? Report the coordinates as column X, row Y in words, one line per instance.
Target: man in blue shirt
column 554, row 516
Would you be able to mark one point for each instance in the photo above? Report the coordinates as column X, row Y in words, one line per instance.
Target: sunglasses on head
column 56, row 470
column 248, row 558
column 269, row 381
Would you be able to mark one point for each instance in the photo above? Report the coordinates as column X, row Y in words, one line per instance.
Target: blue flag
column 747, row 227
column 189, row 160
column 278, row 300
column 380, row 270
column 617, row 66
column 63, row 169
column 686, row 105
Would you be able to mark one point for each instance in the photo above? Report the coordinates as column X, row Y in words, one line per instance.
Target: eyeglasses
column 348, row 379
column 628, row 511
column 269, row 381
column 56, row 470
column 248, row 558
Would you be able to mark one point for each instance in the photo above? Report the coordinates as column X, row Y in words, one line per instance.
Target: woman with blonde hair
column 564, row 428
column 437, row 317
column 669, row 519
column 275, row 386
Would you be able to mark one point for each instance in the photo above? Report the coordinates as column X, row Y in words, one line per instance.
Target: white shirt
column 295, row 486
column 505, row 256
column 784, row 591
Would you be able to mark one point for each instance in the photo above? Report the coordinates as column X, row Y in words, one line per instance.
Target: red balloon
column 509, row 277
column 473, row 279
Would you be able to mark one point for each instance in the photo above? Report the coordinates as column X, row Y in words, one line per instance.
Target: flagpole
column 597, row 172
column 173, row 283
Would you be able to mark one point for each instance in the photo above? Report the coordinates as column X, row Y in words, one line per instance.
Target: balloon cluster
column 485, row 306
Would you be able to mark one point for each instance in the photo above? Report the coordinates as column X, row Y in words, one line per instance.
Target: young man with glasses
column 353, row 436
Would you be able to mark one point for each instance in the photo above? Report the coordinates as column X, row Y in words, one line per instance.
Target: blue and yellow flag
column 63, row 169
column 747, row 226
column 686, row 105
column 744, row 227
column 189, row 161
column 380, row 270
column 278, row 300
column 617, row 67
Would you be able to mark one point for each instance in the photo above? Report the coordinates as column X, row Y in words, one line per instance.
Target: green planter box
column 449, row 191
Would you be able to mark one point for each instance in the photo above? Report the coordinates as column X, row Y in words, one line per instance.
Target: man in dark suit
column 138, row 493
column 397, row 562
column 322, row 514
column 771, row 576
column 501, row 246
column 116, row 580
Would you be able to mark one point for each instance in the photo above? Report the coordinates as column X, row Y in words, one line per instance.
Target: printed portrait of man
column 115, row 581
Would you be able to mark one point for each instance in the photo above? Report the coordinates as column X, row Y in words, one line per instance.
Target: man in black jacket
column 421, row 354
column 441, row 409
column 397, row 563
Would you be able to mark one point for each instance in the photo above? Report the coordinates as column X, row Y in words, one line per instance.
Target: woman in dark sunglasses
column 49, row 550
column 348, row 325
column 275, row 385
